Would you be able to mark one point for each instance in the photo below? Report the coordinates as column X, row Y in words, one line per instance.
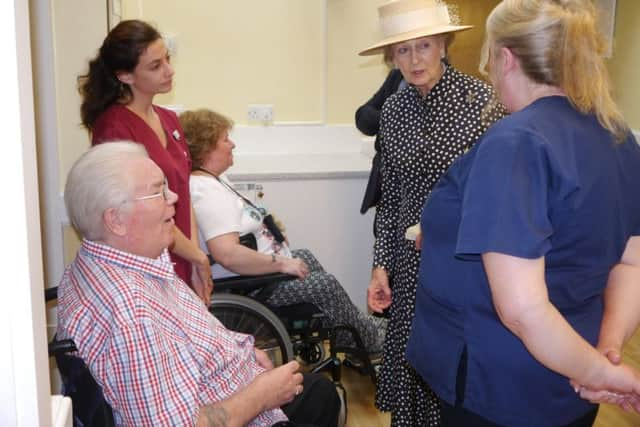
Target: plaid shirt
column 150, row 343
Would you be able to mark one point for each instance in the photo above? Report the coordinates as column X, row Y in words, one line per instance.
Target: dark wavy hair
column 120, row 51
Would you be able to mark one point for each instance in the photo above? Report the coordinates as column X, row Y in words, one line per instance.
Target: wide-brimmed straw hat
column 402, row 20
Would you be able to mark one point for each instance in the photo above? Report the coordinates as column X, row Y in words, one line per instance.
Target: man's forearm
column 213, row 416
column 235, row 411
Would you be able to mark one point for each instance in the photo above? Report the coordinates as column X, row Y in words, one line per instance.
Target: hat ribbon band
column 415, row 19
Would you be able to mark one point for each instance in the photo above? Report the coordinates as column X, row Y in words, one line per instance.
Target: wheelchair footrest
column 332, row 363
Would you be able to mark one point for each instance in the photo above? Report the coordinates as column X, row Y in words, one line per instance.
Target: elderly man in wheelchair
column 159, row 356
column 244, row 239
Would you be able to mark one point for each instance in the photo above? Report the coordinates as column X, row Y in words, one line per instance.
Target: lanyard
column 230, row 188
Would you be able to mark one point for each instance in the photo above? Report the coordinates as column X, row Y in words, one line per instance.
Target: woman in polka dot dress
column 423, row 129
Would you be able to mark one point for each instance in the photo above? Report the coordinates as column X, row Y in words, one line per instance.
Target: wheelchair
column 89, row 405
column 285, row 332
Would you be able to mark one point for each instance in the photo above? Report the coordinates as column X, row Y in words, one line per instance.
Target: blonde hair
column 558, row 43
column 202, row 130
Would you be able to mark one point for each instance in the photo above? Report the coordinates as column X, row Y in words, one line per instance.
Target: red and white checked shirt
column 149, row 341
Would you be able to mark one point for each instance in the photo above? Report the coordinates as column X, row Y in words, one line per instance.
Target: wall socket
column 260, row 113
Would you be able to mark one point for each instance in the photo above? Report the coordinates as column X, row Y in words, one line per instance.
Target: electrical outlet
column 260, row 113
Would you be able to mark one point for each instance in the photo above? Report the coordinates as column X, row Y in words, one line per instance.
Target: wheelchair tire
column 242, row 314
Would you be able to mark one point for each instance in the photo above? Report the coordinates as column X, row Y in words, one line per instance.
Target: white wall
column 232, row 53
column 63, row 44
column 323, row 215
column 24, row 388
column 625, row 61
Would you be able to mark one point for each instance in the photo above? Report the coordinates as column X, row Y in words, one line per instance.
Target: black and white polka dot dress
column 420, row 138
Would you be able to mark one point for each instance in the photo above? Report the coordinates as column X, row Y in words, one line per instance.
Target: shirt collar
column 441, row 85
column 160, row 267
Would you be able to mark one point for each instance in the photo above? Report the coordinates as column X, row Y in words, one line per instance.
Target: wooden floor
column 362, row 412
column 360, row 395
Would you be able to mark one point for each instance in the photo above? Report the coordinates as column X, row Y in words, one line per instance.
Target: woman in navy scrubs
column 529, row 281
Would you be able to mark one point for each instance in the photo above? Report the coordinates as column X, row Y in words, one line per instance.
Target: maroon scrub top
column 119, row 123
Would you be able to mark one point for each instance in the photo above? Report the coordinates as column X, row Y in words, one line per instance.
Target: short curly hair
column 202, row 130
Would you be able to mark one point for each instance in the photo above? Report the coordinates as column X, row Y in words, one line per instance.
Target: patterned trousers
column 325, row 292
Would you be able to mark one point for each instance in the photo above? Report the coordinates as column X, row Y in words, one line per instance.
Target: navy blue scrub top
column 547, row 182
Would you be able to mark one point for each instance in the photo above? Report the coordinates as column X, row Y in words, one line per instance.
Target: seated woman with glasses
column 224, row 216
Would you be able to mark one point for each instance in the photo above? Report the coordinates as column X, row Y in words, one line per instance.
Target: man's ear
column 113, row 222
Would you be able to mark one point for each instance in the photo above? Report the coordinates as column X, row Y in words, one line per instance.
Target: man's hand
column 379, row 293
column 271, row 389
column 281, row 384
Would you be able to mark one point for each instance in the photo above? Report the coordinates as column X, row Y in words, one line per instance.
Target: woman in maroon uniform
column 131, row 67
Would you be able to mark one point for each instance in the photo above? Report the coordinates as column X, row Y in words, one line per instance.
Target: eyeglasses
column 164, row 193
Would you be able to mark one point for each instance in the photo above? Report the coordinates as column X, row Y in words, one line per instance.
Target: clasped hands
column 618, row 384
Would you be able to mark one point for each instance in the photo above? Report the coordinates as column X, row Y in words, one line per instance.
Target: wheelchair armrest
column 59, row 347
column 51, row 294
column 245, row 284
column 249, row 283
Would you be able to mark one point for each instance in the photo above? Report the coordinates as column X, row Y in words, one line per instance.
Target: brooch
column 176, row 135
column 471, row 97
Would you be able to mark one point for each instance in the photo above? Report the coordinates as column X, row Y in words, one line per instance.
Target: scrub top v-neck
column 119, row 123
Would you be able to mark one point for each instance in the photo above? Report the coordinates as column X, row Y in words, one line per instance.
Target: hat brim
column 410, row 35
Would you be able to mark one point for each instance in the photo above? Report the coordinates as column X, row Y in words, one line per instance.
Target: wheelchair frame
column 301, row 340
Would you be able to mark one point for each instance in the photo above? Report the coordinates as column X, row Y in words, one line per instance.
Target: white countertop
column 299, row 166
column 300, row 152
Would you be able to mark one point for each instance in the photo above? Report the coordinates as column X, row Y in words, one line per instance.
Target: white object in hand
column 412, row 232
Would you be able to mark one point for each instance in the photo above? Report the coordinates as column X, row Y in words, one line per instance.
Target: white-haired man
column 150, row 343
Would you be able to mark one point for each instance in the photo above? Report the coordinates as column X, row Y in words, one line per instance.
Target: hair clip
column 176, row 135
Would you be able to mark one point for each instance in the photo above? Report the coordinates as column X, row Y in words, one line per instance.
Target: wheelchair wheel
column 245, row 315
column 310, row 352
